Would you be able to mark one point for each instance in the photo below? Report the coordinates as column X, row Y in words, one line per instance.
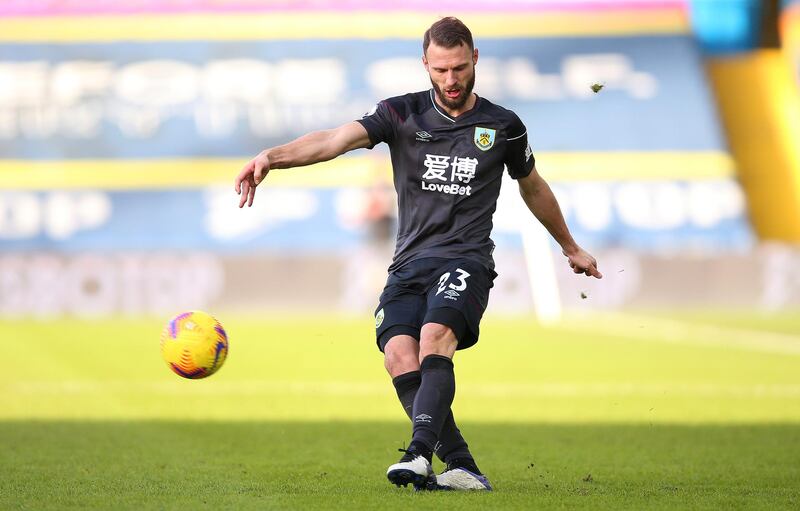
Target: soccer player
column 448, row 149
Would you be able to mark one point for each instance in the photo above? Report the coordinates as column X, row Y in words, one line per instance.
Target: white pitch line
column 649, row 328
column 371, row 389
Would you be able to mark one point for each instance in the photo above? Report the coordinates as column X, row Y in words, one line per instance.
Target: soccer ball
column 194, row 345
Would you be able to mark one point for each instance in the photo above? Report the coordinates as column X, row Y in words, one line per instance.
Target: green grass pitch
column 695, row 411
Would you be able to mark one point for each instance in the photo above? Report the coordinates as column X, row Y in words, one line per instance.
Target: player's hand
column 582, row 261
column 251, row 176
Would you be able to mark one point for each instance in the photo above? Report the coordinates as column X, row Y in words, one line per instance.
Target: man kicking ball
column 449, row 148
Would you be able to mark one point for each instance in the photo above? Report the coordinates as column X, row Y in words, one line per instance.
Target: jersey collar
column 449, row 118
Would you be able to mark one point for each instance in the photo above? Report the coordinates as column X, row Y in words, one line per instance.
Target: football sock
column 416, row 448
column 451, row 444
column 466, row 463
column 452, row 448
column 406, row 386
column 433, row 399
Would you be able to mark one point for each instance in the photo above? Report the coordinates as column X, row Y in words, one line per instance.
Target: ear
column 425, row 62
column 475, row 56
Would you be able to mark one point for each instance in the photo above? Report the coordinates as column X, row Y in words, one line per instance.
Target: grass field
column 692, row 411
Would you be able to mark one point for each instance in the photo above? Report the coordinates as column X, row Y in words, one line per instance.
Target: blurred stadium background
column 123, row 124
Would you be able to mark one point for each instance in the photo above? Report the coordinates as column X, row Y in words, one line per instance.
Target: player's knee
column 400, row 363
column 400, row 357
column 437, row 339
column 435, row 333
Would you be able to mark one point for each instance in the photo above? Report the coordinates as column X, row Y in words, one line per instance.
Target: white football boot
column 461, row 479
column 412, row 468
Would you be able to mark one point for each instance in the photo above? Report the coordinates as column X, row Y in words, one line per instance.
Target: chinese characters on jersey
column 446, row 176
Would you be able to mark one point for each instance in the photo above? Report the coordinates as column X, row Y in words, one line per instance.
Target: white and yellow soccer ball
column 194, row 345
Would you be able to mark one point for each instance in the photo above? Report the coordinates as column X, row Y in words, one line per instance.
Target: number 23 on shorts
column 461, row 284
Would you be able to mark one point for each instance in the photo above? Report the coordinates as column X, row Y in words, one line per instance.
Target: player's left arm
column 543, row 204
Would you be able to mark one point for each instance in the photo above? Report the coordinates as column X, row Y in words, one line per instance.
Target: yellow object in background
column 760, row 109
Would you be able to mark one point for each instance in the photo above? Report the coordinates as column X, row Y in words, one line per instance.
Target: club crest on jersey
column 484, row 138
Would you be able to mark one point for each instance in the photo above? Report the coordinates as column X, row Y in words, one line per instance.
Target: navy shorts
column 452, row 292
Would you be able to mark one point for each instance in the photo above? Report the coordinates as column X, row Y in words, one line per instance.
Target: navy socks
column 451, row 445
column 434, row 397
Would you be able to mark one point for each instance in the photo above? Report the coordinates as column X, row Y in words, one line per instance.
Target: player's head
column 449, row 56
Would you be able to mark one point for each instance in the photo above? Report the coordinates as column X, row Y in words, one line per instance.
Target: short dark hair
column 448, row 32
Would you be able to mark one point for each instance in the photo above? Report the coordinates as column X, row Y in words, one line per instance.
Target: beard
column 457, row 103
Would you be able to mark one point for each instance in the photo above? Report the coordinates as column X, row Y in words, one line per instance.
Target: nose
column 450, row 79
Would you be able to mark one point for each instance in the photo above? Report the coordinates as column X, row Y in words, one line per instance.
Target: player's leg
column 397, row 320
column 401, row 359
column 437, row 386
column 431, row 404
column 401, row 355
column 456, row 306
column 452, row 448
column 461, row 472
column 431, row 408
column 397, row 325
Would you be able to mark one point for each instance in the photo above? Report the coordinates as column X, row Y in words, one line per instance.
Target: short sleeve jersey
column 447, row 172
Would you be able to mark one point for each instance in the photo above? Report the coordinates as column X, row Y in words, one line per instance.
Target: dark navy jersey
column 447, row 172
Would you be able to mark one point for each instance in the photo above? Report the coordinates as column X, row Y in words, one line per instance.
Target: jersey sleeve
column 380, row 124
column 519, row 158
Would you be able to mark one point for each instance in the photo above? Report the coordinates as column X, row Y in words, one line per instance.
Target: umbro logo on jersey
column 423, row 136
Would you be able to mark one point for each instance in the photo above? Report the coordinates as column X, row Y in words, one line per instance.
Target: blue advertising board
column 124, row 100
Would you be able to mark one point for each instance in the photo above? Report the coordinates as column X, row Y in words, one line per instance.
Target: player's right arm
column 315, row 147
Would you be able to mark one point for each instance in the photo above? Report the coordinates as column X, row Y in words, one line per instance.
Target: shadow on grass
column 288, row 465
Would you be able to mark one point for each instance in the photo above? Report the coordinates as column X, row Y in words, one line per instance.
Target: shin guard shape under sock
column 433, row 400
